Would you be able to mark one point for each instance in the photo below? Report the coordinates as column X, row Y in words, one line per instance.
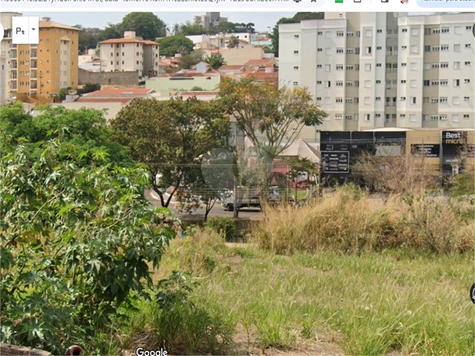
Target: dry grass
column 353, row 221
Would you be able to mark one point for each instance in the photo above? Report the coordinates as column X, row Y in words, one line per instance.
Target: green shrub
column 184, row 327
column 224, row 226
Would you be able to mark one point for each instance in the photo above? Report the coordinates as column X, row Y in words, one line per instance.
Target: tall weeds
column 352, row 221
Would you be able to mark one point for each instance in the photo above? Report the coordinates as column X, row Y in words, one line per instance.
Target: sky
column 101, row 19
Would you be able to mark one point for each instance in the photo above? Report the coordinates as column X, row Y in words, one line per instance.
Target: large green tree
column 171, row 45
column 145, row 24
column 271, row 118
column 299, row 16
column 171, row 137
column 77, row 234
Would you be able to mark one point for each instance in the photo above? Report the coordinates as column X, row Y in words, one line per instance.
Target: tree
column 171, row 45
column 77, row 234
column 215, row 61
column 110, row 32
column 189, row 60
column 190, row 29
column 233, row 42
column 271, row 118
column 145, row 24
column 171, row 138
column 299, row 16
column 87, row 38
column 176, row 29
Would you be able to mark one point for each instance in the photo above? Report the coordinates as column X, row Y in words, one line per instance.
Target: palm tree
column 176, row 29
column 215, row 61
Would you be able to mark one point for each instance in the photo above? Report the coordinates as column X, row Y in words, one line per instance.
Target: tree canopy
column 272, row 118
column 171, row 138
column 145, row 24
column 171, row 45
column 77, row 234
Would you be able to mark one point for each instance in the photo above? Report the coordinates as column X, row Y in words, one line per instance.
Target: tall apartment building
column 129, row 54
column 39, row 71
column 375, row 70
column 209, row 19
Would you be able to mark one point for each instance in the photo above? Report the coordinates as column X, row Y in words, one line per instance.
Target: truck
column 248, row 198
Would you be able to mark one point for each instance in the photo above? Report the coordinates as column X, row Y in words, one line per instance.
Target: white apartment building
column 129, row 54
column 375, row 70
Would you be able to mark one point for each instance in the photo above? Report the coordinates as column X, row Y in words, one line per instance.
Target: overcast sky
column 100, row 19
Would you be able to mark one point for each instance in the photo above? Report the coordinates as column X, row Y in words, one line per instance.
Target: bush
column 224, row 226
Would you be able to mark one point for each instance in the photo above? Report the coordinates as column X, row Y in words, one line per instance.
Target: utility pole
column 235, row 190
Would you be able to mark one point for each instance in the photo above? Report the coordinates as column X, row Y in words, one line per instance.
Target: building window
column 379, row 30
column 296, row 67
column 466, row 98
column 328, row 34
column 349, row 67
column 414, row 31
column 368, row 33
column 320, row 33
column 425, row 100
column 455, row 118
column 340, row 50
column 349, row 34
column 413, row 66
column 378, row 81
column 319, row 49
column 444, row 65
column 468, row 27
column 456, row 82
column 413, row 83
column 378, row 98
column 328, row 84
column 349, row 117
column 339, row 67
column 455, row 100
column 350, row 51
column 319, row 82
column 367, row 84
column 339, row 83
column 403, row 98
column 368, row 50
column 414, row 49
column 443, row 99
column 296, row 52
column 426, row 48
column 328, row 51
column 456, row 65
column 445, row 30
column 435, row 31
column 444, row 82
column 339, row 34
column 379, row 48
column 319, row 66
column 367, row 100
column 349, row 100
column 456, row 48
column 434, row 83
column 434, row 100
column 339, row 116
column 367, row 67
column 444, row 48
column 466, row 116
column 435, row 48
column 295, row 36
column 296, row 83
column 327, row 100
column 443, row 117
column 404, row 30
column 468, row 45
column 467, row 63
column 339, row 100
column 466, row 81
column 328, row 67
column 403, row 81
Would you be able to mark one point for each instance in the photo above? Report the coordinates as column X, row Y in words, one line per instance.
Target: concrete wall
column 108, row 78
column 165, row 84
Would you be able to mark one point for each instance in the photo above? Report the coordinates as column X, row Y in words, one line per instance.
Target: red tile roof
column 259, row 62
column 121, row 40
column 116, row 91
column 47, row 24
column 150, row 43
column 104, row 100
column 230, row 67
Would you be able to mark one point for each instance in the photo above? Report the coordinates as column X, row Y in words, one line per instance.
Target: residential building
column 130, row 54
column 184, row 81
column 37, row 72
column 376, row 70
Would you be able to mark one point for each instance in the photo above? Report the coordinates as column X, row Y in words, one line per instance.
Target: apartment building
column 39, row 71
column 129, row 54
column 209, row 19
column 375, row 70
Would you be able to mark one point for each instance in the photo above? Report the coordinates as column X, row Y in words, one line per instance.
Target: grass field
column 377, row 303
column 343, row 275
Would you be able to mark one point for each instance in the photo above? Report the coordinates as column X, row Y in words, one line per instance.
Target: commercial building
column 380, row 70
column 38, row 72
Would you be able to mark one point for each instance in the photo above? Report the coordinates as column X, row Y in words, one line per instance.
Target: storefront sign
column 426, row 150
column 454, row 137
column 336, row 161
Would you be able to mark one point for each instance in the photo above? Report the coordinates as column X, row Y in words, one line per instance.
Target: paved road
column 218, row 210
